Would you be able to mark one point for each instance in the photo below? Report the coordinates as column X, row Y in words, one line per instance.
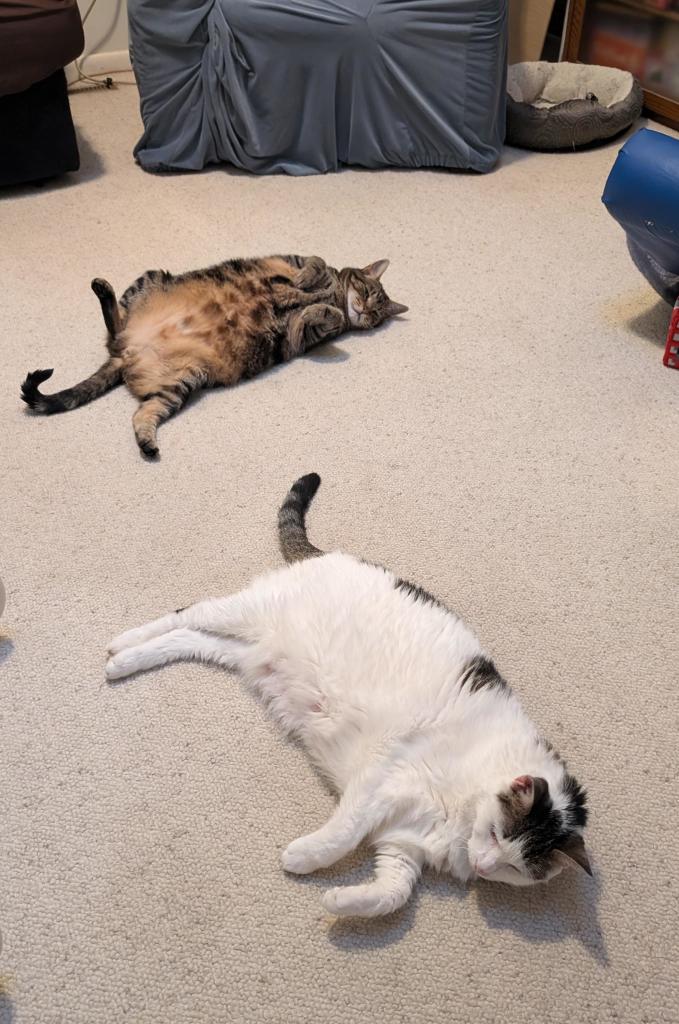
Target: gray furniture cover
column 303, row 86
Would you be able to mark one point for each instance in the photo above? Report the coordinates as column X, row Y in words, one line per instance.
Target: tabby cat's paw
column 101, row 288
column 149, row 449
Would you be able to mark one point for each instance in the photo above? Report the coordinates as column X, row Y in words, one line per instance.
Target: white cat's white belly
column 345, row 625
column 348, row 661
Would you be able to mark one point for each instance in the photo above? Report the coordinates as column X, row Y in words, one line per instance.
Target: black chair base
column 37, row 137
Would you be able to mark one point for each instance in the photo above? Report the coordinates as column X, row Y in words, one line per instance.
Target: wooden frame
column 662, row 107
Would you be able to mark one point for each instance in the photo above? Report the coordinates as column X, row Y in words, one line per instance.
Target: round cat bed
column 562, row 106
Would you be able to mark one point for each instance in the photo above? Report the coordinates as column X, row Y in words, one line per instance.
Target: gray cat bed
column 561, row 106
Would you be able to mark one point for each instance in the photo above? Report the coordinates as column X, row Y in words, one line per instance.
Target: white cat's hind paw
column 342, row 902
column 120, row 666
column 128, row 639
column 359, row 901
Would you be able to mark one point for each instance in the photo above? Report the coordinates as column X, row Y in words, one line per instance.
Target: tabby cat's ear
column 573, row 852
column 376, row 269
column 396, row 308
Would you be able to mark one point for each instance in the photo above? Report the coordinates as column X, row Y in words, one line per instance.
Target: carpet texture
column 511, row 445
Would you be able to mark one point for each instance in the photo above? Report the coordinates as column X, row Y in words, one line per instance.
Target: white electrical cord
column 87, row 12
column 96, row 80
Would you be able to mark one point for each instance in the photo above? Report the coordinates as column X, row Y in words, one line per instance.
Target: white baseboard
column 100, row 64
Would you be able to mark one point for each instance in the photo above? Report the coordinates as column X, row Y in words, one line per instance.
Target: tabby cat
column 434, row 760
column 173, row 334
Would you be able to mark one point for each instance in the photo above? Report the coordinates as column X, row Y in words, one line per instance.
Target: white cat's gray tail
column 294, row 542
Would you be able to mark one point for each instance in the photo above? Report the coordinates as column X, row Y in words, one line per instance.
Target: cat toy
column 671, row 357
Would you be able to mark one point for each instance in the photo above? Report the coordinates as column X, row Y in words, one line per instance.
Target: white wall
column 106, row 40
column 106, row 27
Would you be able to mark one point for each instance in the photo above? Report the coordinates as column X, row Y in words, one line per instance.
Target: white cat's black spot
column 419, row 593
column 577, row 801
column 480, row 673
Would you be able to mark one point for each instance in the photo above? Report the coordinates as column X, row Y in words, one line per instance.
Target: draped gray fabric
column 303, row 86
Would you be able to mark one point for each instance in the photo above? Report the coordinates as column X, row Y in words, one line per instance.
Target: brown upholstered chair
column 38, row 38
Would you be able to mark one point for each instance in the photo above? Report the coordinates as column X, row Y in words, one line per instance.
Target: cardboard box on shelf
column 528, row 23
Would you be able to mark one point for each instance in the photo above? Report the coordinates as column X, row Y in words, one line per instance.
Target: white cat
column 396, row 703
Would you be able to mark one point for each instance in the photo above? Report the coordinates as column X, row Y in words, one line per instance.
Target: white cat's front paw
column 129, row 639
column 300, row 858
column 120, row 666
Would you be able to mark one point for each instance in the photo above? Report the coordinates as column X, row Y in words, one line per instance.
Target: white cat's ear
column 522, row 787
column 573, row 854
column 376, row 269
column 529, row 790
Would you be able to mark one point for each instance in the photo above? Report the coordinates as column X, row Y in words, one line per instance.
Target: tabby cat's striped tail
column 105, row 378
column 294, row 542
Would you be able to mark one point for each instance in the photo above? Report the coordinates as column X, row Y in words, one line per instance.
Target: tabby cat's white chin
column 394, row 700
column 353, row 307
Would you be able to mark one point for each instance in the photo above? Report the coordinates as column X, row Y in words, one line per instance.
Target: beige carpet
column 511, row 444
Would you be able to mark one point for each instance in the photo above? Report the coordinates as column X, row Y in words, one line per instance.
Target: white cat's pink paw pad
column 298, row 858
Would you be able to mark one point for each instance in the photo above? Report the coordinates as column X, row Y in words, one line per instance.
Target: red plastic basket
column 671, row 357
